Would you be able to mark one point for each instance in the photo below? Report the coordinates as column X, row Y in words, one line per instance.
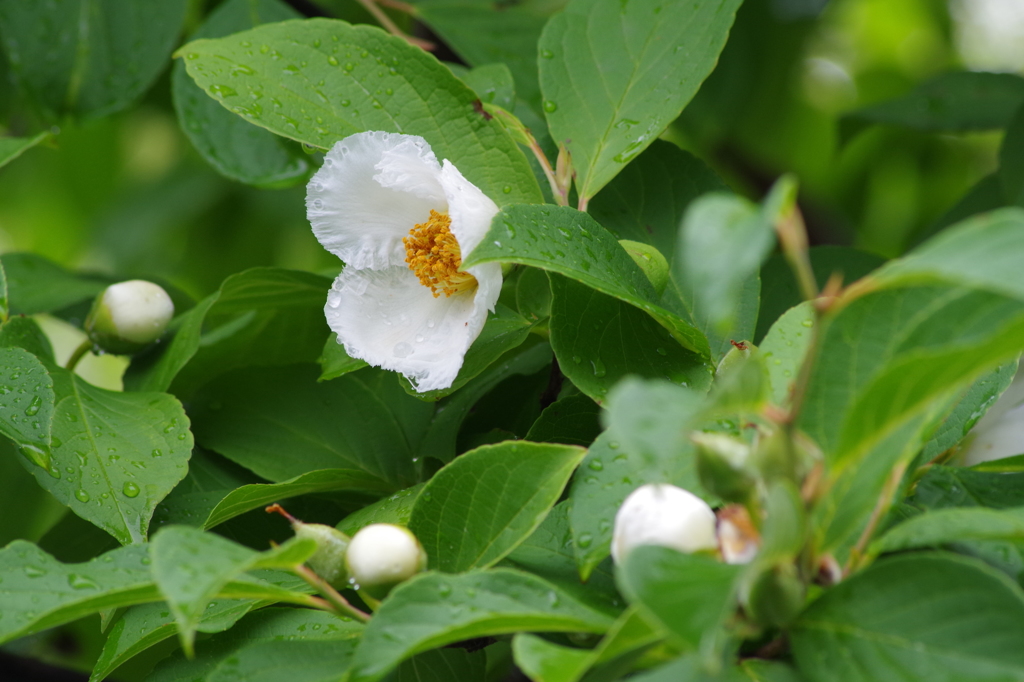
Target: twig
column 857, row 553
column 338, row 603
column 385, row 21
column 560, row 194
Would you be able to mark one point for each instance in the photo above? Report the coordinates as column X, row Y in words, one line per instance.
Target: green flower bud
column 129, row 316
column 776, row 596
column 650, row 260
column 382, row 555
column 328, row 561
column 720, row 465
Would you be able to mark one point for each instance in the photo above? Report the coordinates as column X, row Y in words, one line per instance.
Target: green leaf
column 598, row 340
column 267, row 625
column 39, row 592
column 784, row 348
column 943, row 487
column 548, row 553
column 237, row 149
column 916, row 346
column 13, row 147
column 915, row 616
column 297, row 661
column 26, row 403
column 335, row 362
column 571, row 243
column 114, row 456
column 435, row 609
column 89, row 58
column 443, row 665
column 973, row 404
column 647, row 200
column 952, row 487
column 544, row 661
column 25, row 333
column 493, row 84
column 950, row 102
column 145, row 625
column 843, row 512
column 191, row 567
column 395, row 509
column 481, row 506
column 779, row 288
column 254, row 496
column 722, row 242
column 36, row 285
column 944, row 526
column 647, row 59
column 439, row 441
column 338, row 70
column 572, row 420
column 690, row 595
column 483, row 33
column 29, row 512
column 281, row 423
column 263, row 316
column 651, row 418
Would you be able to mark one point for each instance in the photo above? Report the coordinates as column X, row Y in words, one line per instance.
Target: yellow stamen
column 434, row 256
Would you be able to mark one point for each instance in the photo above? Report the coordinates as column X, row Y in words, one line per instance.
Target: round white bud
column 383, row 555
column 128, row 316
column 662, row 514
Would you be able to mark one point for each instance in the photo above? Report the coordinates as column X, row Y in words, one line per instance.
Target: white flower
column 128, row 316
column 401, row 222
column 382, row 554
column 662, row 514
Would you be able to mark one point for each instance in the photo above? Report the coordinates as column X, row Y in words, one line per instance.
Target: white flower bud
column 382, row 555
column 128, row 316
column 661, row 514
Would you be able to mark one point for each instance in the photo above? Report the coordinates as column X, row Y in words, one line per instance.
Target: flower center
column 434, row 256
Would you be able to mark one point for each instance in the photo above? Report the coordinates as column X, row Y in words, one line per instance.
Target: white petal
column 361, row 220
column 390, row 320
column 470, row 209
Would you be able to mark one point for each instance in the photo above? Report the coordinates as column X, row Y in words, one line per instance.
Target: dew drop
column 82, row 496
column 584, row 540
column 80, row 582
column 33, row 407
column 130, row 489
column 550, row 106
column 596, row 465
column 547, row 54
column 332, row 60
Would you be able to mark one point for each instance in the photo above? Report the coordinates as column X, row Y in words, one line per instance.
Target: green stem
column 339, row 603
column 385, row 21
column 79, row 353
